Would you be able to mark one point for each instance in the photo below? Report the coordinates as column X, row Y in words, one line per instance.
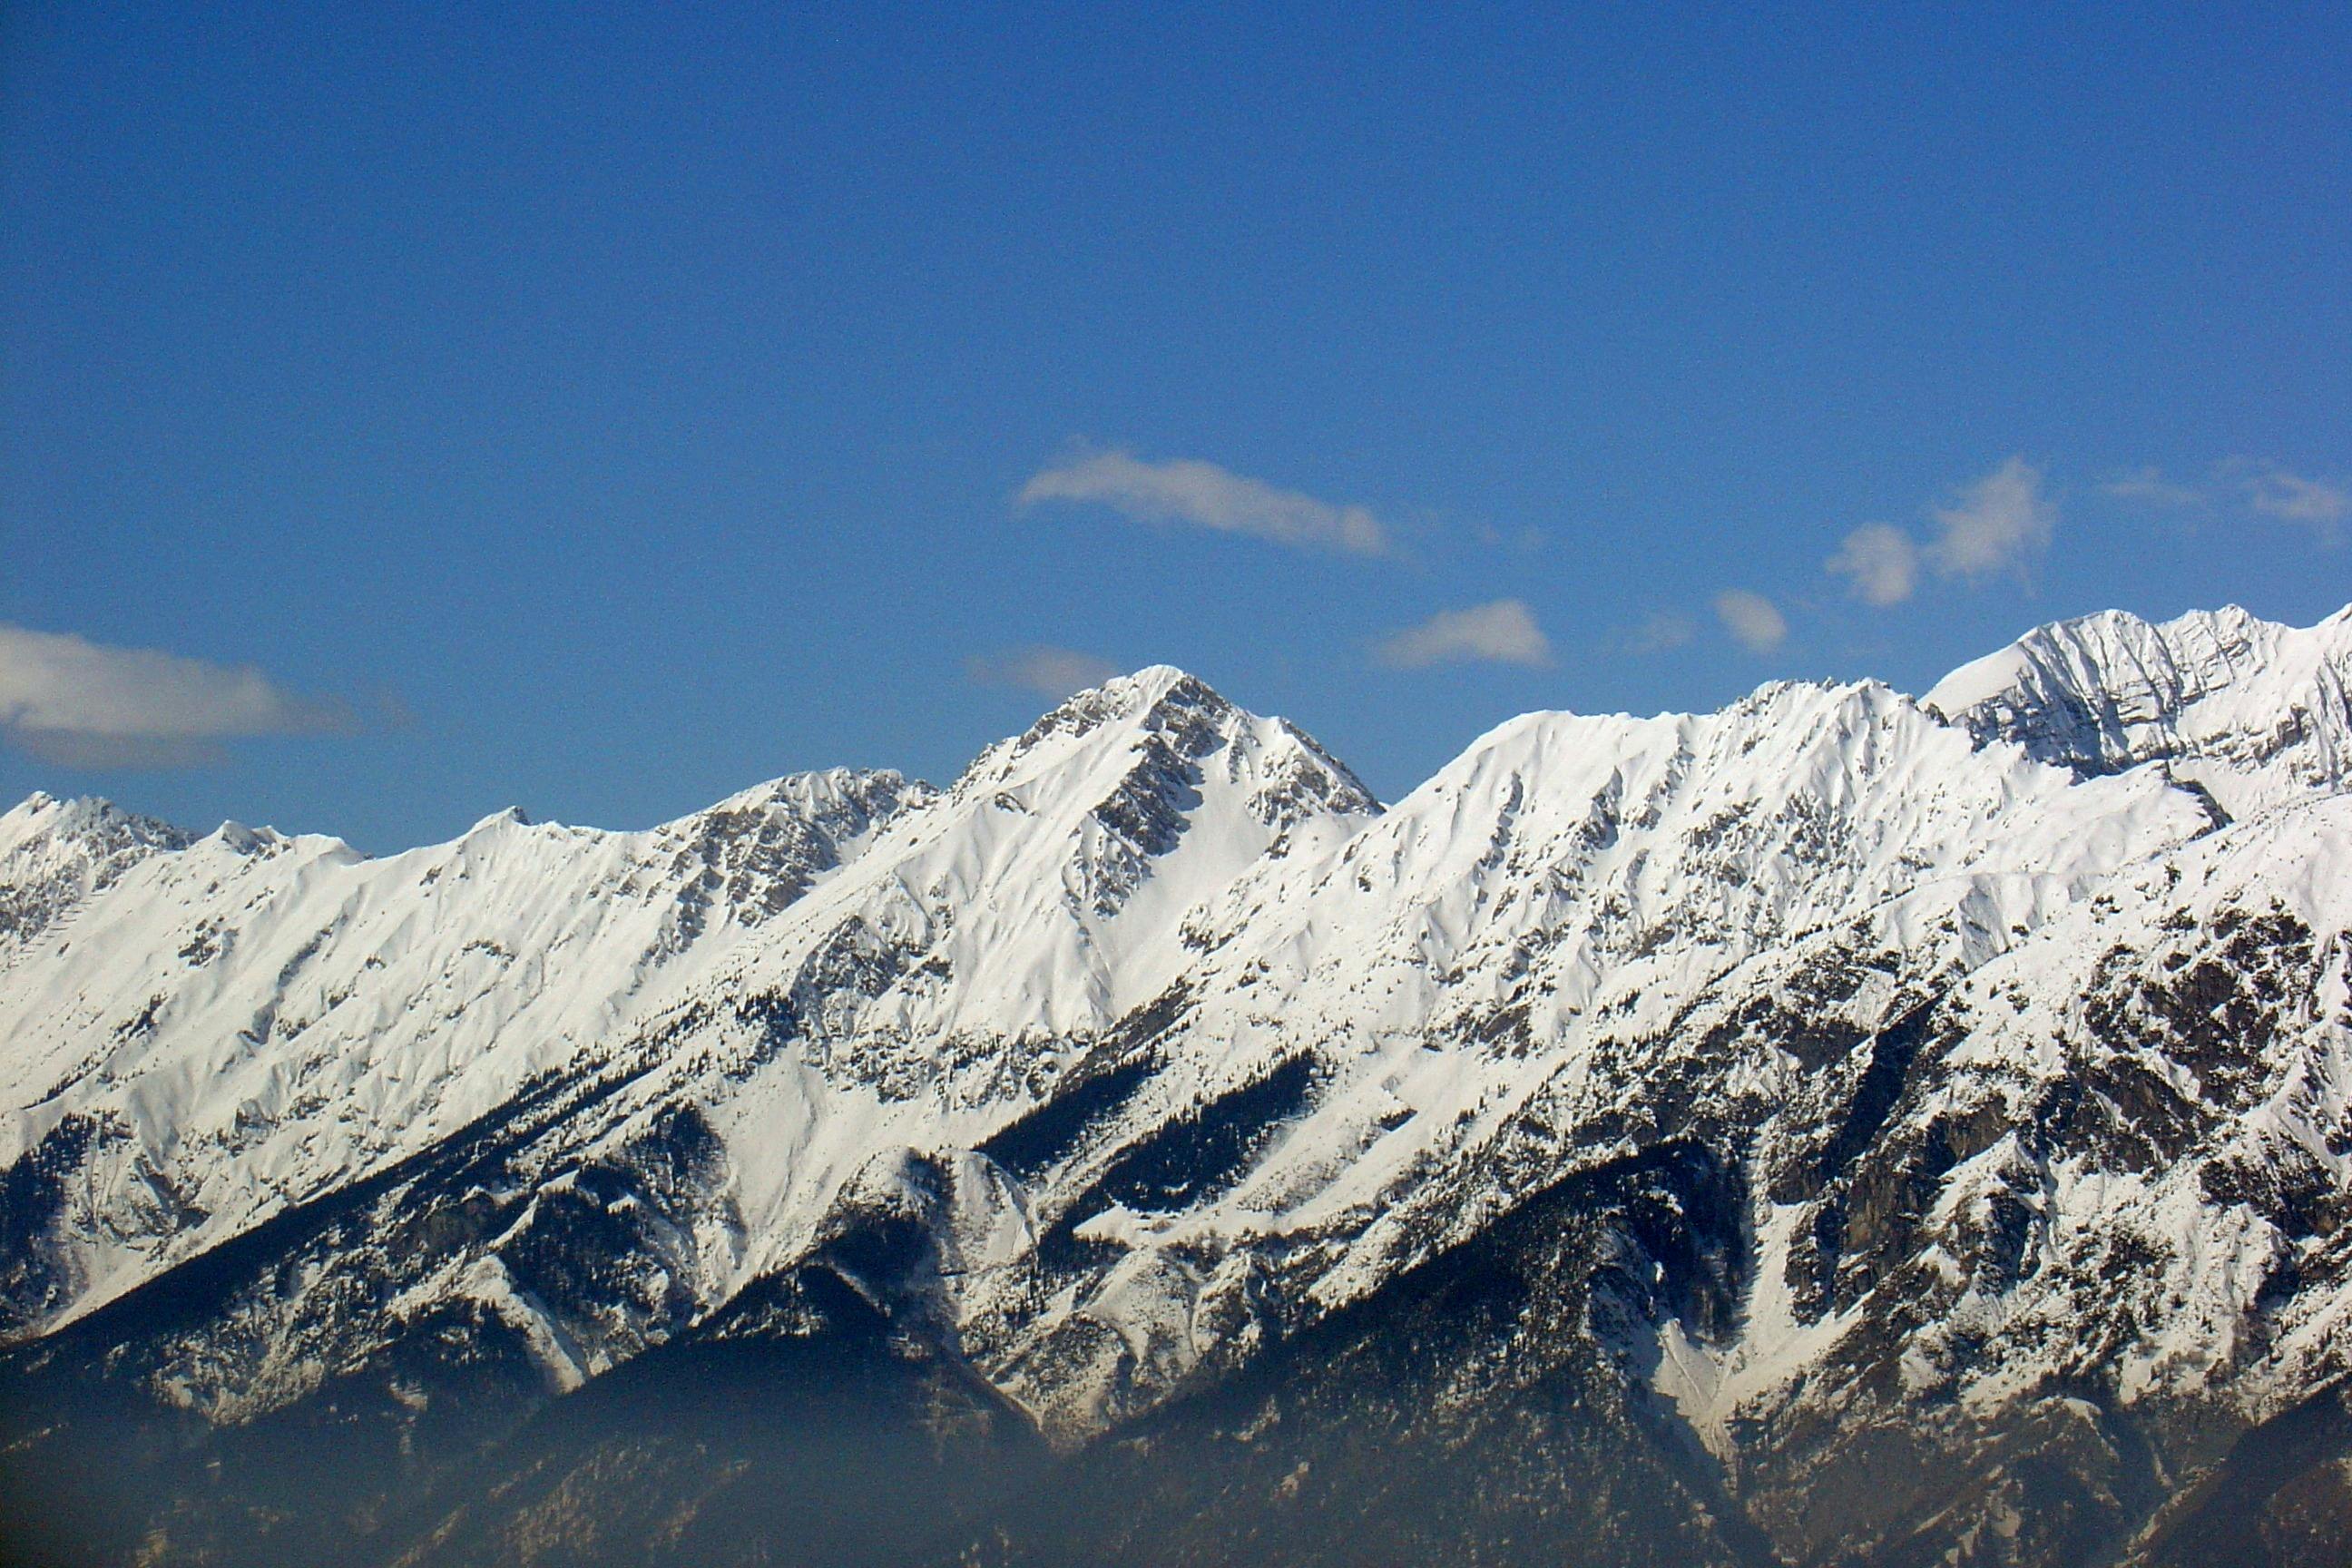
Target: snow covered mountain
column 54, row 854
column 2252, row 712
column 1838, row 1128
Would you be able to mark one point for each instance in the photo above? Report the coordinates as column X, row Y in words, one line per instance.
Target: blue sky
column 587, row 408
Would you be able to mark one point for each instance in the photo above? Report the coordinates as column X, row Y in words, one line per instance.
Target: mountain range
column 1845, row 1127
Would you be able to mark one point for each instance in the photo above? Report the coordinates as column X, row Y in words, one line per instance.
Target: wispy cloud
column 1527, row 539
column 1664, row 630
column 1047, row 670
column 2148, row 486
column 1503, row 632
column 1189, row 491
column 1882, row 561
column 2321, row 505
column 1995, row 524
column 83, row 704
column 1999, row 524
column 1755, row 621
column 2266, row 489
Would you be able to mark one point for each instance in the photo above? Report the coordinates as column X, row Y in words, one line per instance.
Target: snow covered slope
column 54, row 854
column 1519, row 933
column 266, row 1019
column 273, row 1019
column 2256, row 712
column 1830, row 1067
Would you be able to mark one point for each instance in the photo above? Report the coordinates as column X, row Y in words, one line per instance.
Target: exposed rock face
column 1837, row 1129
column 55, row 854
column 2256, row 712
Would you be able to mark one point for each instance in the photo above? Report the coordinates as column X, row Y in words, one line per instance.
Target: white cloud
column 1882, row 561
column 1661, row 631
column 83, row 704
column 1754, row 620
column 1997, row 524
column 1048, row 671
column 2292, row 498
column 1503, row 632
column 2148, row 486
column 1186, row 489
column 1527, row 539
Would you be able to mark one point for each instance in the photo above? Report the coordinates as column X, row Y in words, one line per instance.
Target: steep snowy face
column 55, row 854
column 2085, row 1203
column 2165, row 1073
column 2254, row 711
column 935, row 989
column 268, row 1018
column 1573, row 863
column 1040, row 897
column 752, row 854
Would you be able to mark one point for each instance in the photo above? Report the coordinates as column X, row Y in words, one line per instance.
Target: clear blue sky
column 600, row 410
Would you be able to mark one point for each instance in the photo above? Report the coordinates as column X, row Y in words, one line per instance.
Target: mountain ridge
column 1888, row 1042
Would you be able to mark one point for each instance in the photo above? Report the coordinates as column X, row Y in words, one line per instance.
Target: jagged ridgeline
column 1841, row 1129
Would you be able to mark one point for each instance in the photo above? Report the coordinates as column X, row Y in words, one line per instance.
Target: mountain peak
column 1164, row 722
column 2116, row 649
column 55, row 854
column 42, row 804
column 1159, row 699
column 42, row 813
column 1157, row 678
column 1151, row 694
column 2253, row 711
column 1040, row 894
column 829, row 796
